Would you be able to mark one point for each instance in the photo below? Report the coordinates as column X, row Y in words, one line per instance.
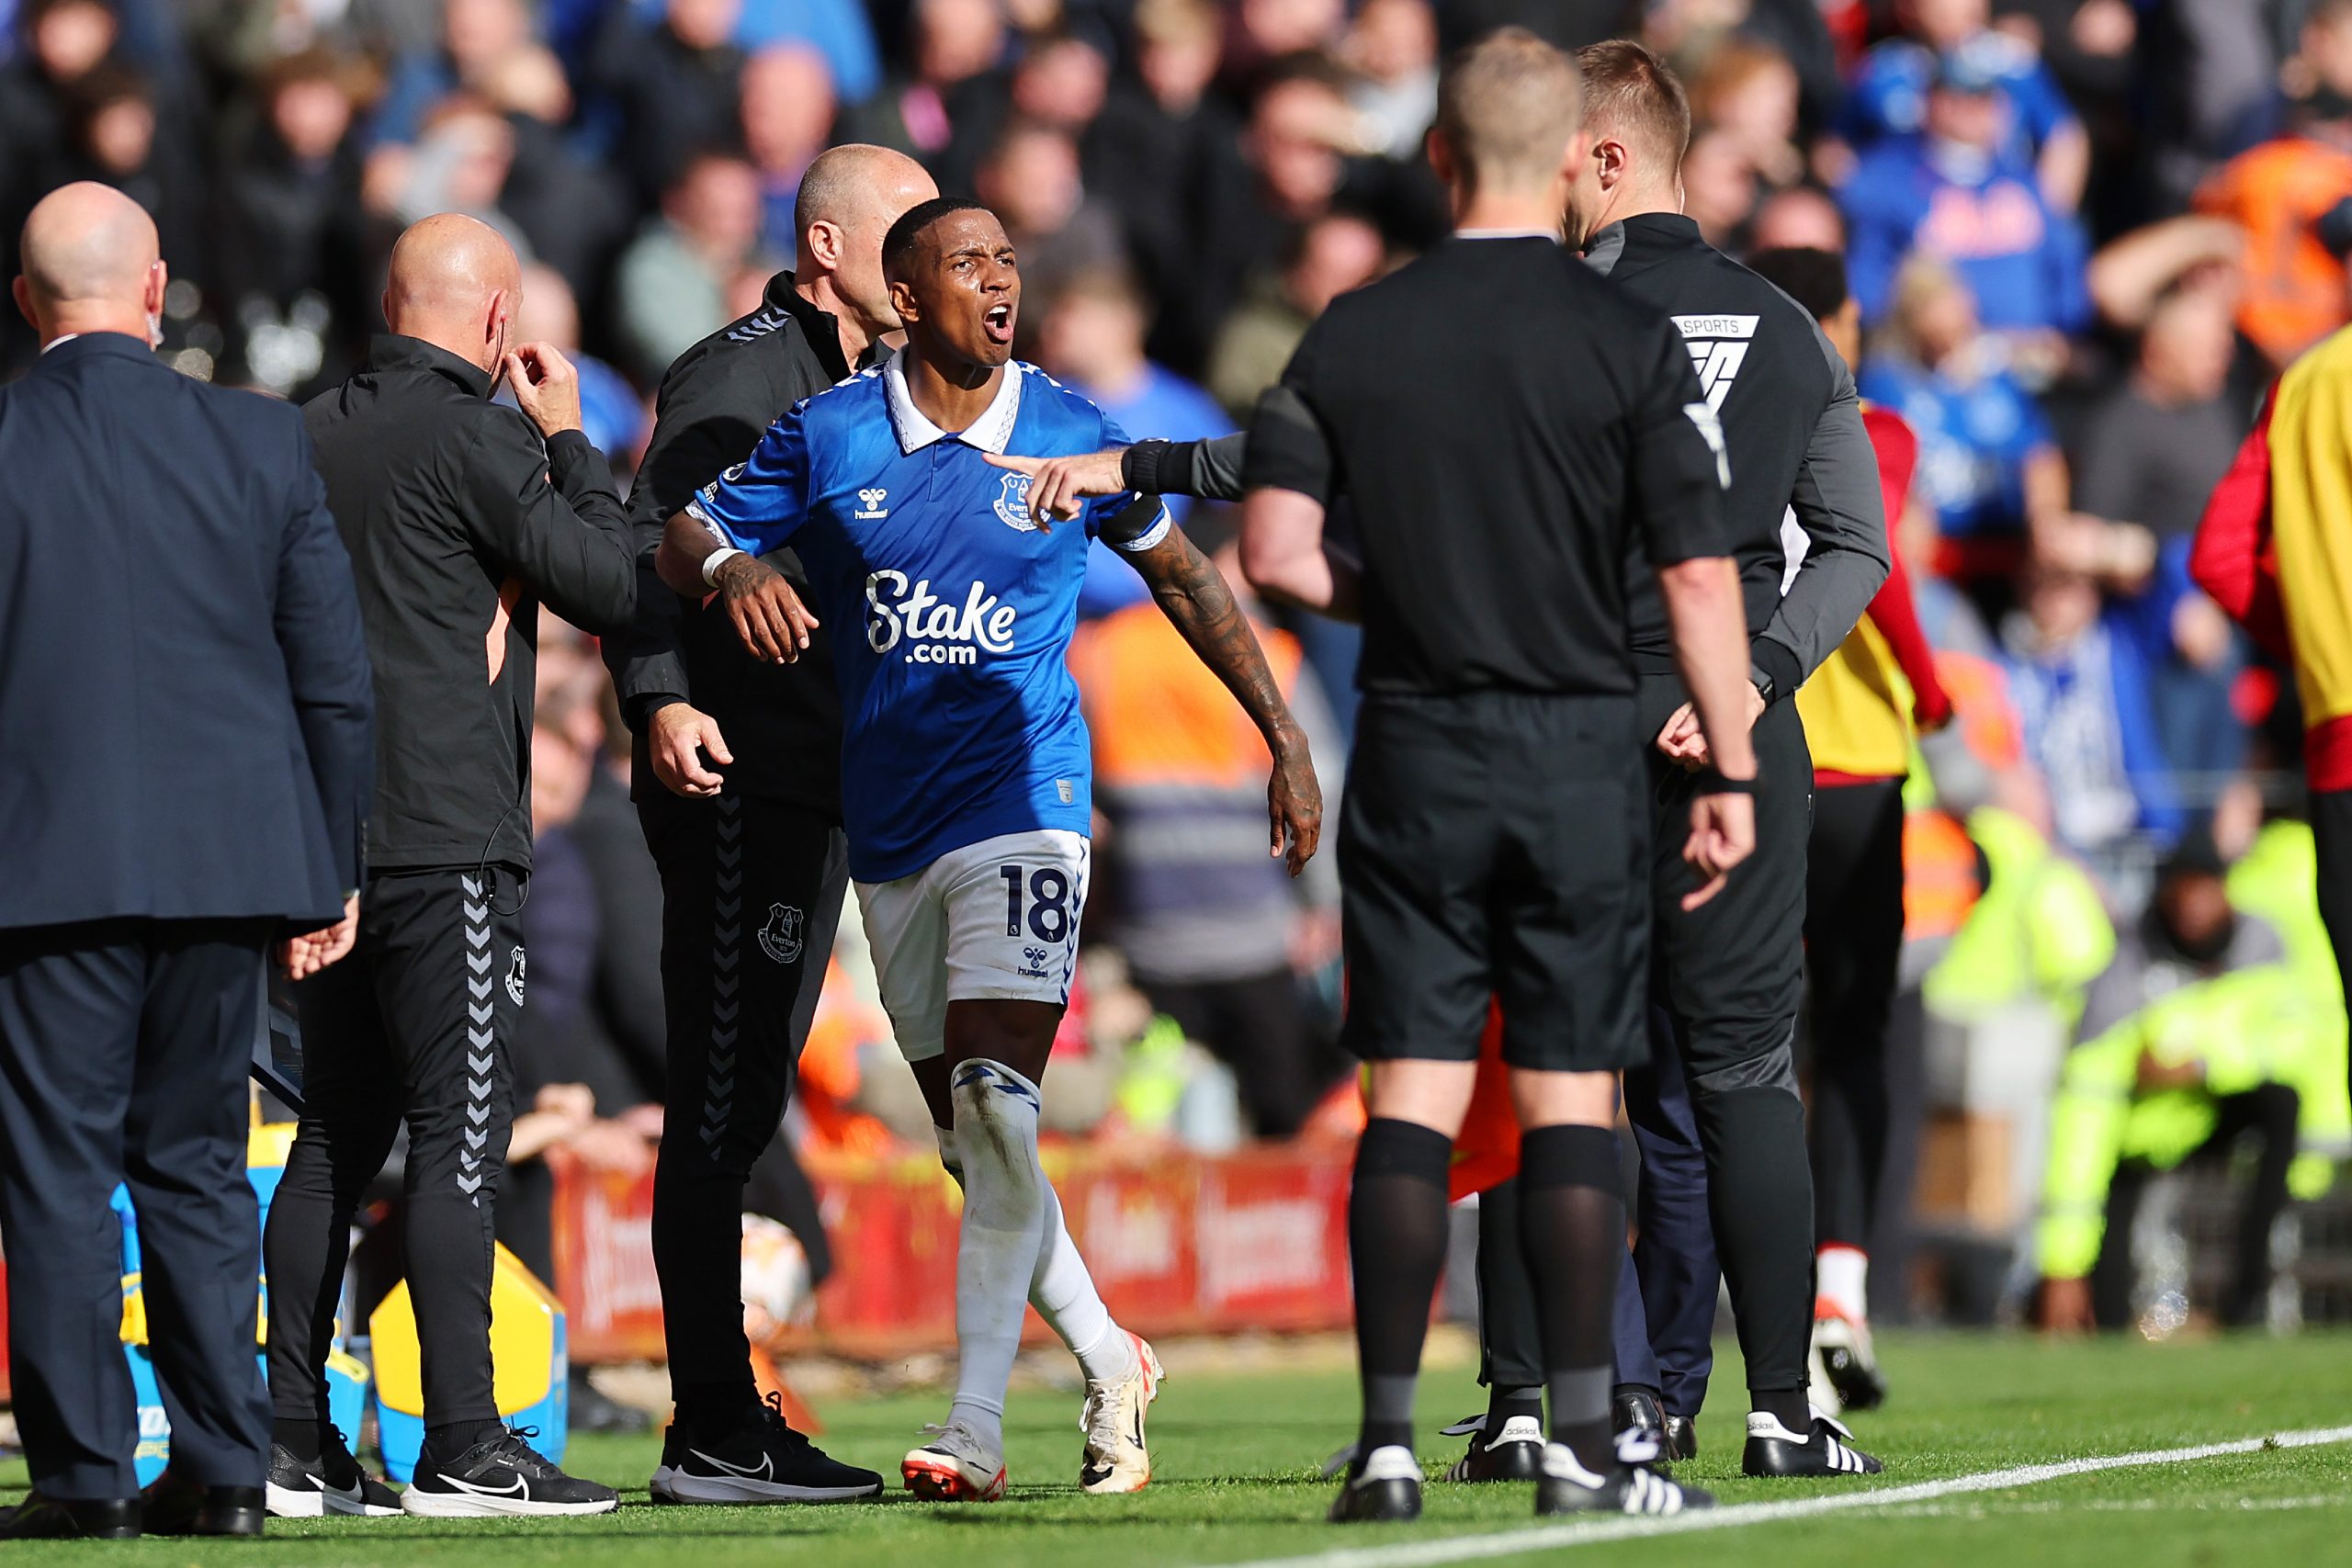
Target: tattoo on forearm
column 1195, row 595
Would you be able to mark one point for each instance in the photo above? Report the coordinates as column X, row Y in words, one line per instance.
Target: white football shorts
column 992, row 920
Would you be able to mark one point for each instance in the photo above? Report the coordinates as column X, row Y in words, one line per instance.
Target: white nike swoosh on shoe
column 766, row 1471
column 520, row 1488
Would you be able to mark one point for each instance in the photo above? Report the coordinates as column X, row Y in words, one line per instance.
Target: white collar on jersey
column 991, row 432
column 1551, row 234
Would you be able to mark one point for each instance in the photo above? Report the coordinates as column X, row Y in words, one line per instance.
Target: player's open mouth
column 999, row 322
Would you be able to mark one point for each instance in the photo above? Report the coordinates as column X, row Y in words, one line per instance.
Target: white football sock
column 1841, row 1281
column 1063, row 1291
column 1004, row 1216
column 1064, row 1295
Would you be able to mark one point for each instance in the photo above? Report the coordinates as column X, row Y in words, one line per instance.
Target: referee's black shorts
column 1496, row 846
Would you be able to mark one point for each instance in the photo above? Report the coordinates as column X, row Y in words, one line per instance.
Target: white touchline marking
column 1560, row 1536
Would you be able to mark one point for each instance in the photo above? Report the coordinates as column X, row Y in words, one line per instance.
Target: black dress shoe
column 189, row 1508
column 69, row 1519
column 1681, row 1436
column 1639, row 1417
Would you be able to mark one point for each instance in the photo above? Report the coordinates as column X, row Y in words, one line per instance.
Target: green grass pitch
column 1236, row 1458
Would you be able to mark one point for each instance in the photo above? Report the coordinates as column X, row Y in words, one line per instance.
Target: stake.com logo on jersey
column 936, row 630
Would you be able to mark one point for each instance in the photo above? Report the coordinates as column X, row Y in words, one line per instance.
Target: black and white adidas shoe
column 764, row 1460
column 1515, row 1453
column 331, row 1483
column 1827, row 1449
column 501, row 1478
column 1384, row 1485
column 1566, row 1488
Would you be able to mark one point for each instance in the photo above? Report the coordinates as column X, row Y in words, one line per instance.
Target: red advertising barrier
column 1178, row 1244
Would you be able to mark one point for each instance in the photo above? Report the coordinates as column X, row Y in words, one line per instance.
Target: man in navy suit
column 185, row 780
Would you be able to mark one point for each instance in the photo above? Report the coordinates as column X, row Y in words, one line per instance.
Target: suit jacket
column 186, row 713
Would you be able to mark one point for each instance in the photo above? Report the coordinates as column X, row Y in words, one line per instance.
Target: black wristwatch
column 1762, row 680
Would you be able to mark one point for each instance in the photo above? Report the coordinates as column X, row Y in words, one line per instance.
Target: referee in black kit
column 460, row 517
column 1496, row 833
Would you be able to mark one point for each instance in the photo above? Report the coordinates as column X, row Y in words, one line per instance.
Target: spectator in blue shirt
column 611, row 413
column 837, row 30
column 1093, row 339
column 1987, row 463
column 787, row 118
column 1889, row 96
column 2081, row 685
column 1951, row 194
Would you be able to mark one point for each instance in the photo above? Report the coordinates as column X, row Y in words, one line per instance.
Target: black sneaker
column 1384, row 1485
column 1681, row 1436
column 1772, row 1449
column 1566, row 1488
column 504, row 1476
column 1515, row 1453
column 330, row 1484
column 764, row 1460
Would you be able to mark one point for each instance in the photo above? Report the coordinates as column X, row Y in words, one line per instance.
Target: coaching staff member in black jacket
column 1496, row 838
column 1727, row 975
column 738, row 786
column 184, row 780
column 461, row 516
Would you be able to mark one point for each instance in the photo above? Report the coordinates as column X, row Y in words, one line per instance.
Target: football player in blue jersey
column 966, row 770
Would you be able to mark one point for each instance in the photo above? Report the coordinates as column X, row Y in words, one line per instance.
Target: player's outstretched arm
column 1195, row 597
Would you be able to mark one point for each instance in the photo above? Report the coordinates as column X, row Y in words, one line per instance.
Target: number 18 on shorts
column 992, row 920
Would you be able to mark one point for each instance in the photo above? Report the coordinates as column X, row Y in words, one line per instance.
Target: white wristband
column 713, row 562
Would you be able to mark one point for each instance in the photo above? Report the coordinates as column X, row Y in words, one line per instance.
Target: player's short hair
column 1814, row 279
column 898, row 245
column 1631, row 94
column 1507, row 107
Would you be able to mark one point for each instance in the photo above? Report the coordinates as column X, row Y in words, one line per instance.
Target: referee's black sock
column 1397, row 1236
column 1572, row 1223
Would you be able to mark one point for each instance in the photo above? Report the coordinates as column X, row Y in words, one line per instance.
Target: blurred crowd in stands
column 2084, row 235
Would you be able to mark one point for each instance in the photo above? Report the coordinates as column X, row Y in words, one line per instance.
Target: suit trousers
column 123, row 1049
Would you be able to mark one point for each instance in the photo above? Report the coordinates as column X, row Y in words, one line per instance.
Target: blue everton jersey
column 950, row 611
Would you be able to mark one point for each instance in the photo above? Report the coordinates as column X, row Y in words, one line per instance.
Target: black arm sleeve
column 1679, row 469
column 318, row 630
column 709, row 415
column 1838, row 504
column 1290, row 447
column 554, row 521
column 1209, row 468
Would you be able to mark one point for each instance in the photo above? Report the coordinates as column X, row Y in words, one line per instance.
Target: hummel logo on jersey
column 939, row 631
column 764, row 1471
column 869, row 505
column 1718, row 347
column 1037, row 957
